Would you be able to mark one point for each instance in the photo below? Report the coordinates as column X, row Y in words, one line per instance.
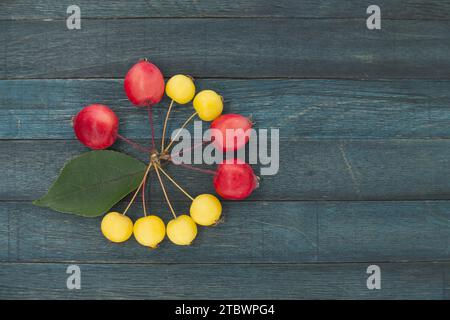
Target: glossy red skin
column 235, row 180
column 144, row 84
column 231, row 121
column 96, row 126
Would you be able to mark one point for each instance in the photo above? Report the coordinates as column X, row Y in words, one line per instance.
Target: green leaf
column 90, row 184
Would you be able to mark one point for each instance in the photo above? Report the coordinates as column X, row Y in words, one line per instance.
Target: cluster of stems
column 155, row 161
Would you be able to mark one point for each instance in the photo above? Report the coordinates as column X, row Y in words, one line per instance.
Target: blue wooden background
column 364, row 119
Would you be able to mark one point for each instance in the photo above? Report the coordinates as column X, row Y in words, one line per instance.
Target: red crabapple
column 96, row 126
column 235, row 180
column 233, row 131
column 144, row 84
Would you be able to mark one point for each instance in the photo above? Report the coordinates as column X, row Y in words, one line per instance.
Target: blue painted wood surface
column 232, row 281
column 253, row 232
column 239, row 48
column 311, row 109
column 56, row 9
column 364, row 171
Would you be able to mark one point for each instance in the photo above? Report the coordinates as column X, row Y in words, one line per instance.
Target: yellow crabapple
column 149, row 231
column 182, row 230
column 206, row 210
column 180, row 88
column 116, row 227
column 208, row 104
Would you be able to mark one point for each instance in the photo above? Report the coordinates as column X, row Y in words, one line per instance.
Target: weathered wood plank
column 409, row 9
column 253, row 48
column 309, row 170
column 248, row 234
column 330, row 109
column 253, row 232
column 216, row 281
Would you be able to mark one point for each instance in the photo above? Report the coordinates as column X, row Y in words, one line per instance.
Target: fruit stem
column 133, row 144
column 164, row 191
column 194, row 168
column 179, row 131
column 144, row 206
column 193, row 147
column 150, row 119
column 139, row 188
column 165, row 125
column 176, row 184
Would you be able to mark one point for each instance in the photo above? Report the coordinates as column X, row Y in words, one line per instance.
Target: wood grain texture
column 391, row 9
column 309, row 170
column 233, row 281
column 364, row 169
column 246, row 48
column 319, row 109
column 253, row 232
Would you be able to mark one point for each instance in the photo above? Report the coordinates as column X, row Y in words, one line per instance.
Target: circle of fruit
column 96, row 126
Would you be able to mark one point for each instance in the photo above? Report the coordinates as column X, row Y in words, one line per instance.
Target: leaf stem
column 176, row 184
column 139, row 188
column 179, row 131
column 165, row 125
column 164, row 191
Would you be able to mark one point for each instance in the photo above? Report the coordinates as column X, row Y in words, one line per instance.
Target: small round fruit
column 208, row 104
column 235, row 180
column 149, row 231
column 231, row 131
column 180, row 88
column 116, row 227
column 96, row 126
column 182, row 230
column 144, row 84
column 206, row 210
